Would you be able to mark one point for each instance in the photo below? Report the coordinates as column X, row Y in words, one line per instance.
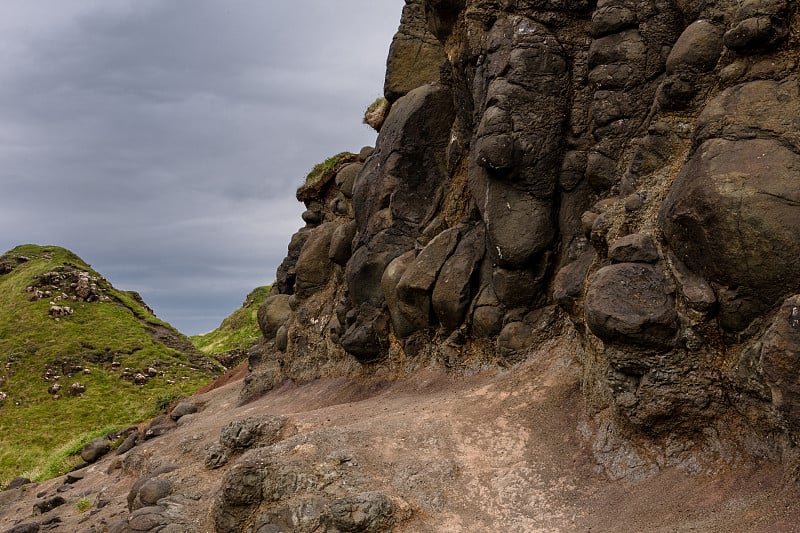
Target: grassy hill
column 78, row 358
column 237, row 333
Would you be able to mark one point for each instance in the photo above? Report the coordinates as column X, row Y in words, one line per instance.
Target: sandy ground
column 496, row 451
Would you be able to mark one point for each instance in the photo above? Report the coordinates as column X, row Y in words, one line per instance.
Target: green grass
column 238, row 331
column 37, row 430
column 376, row 104
column 83, row 505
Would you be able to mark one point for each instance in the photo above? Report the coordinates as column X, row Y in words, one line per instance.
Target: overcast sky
column 163, row 140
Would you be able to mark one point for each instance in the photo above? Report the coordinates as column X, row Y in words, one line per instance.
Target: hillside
column 79, row 358
column 230, row 342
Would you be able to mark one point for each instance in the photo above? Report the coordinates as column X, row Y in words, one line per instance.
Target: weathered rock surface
column 625, row 172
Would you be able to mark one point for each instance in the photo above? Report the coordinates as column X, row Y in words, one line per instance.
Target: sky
column 163, row 140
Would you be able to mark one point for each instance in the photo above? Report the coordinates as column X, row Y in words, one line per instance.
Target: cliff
column 624, row 174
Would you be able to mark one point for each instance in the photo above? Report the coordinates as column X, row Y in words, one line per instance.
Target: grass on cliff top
column 321, row 172
column 78, row 348
column 238, row 331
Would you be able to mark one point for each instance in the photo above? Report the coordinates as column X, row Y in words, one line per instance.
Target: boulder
column 158, row 426
column 95, row 449
column 273, row 314
column 631, row 303
column 341, row 248
column 733, row 216
column 369, row 512
column 247, row 432
column 367, row 336
column 569, row 283
column 634, row 248
column 147, row 491
column 697, row 49
column 183, row 408
column 313, row 265
column 452, row 293
column 402, row 326
column 346, row 178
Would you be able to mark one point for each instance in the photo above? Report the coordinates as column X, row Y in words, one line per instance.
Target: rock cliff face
column 625, row 173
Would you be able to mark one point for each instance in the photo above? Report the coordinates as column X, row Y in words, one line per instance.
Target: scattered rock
column 95, row 449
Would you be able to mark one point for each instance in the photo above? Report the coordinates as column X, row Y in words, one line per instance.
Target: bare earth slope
column 499, row 450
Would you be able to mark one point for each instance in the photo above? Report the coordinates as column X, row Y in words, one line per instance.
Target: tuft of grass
column 237, row 332
column 93, row 346
column 84, row 504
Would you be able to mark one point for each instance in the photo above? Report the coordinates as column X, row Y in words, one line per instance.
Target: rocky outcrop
column 625, row 172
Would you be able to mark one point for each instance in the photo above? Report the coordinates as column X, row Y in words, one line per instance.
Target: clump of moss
column 376, row 113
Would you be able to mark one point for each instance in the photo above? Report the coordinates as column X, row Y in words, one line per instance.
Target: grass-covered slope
column 77, row 357
column 237, row 333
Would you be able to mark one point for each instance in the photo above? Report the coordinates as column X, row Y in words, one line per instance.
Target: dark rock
column 631, row 303
column 519, row 288
column 273, row 314
column 183, row 408
column 241, row 491
column 313, row 266
column 129, row 442
column 696, row 291
column 514, row 338
column 217, row 455
column 367, row 337
column 247, row 432
column 389, row 281
column 95, row 449
column 149, row 518
column 74, row 477
column 27, row 527
column 698, row 48
column 286, row 273
column 780, row 360
column 369, row 512
column 417, row 282
column 158, row 426
column 48, row 504
column 147, row 491
column 282, row 338
column 312, row 218
column 341, row 248
column 611, row 18
column 569, row 282
column 452, row 293
column 733, row 220
column 346, row 178
column 634, row 248
column 756, row 34
column 17, row 482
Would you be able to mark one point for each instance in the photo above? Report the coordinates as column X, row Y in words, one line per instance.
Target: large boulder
column 453, row 291
column 313, row 265
column 273, row 313
column 631, row 303
column 733, row 216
